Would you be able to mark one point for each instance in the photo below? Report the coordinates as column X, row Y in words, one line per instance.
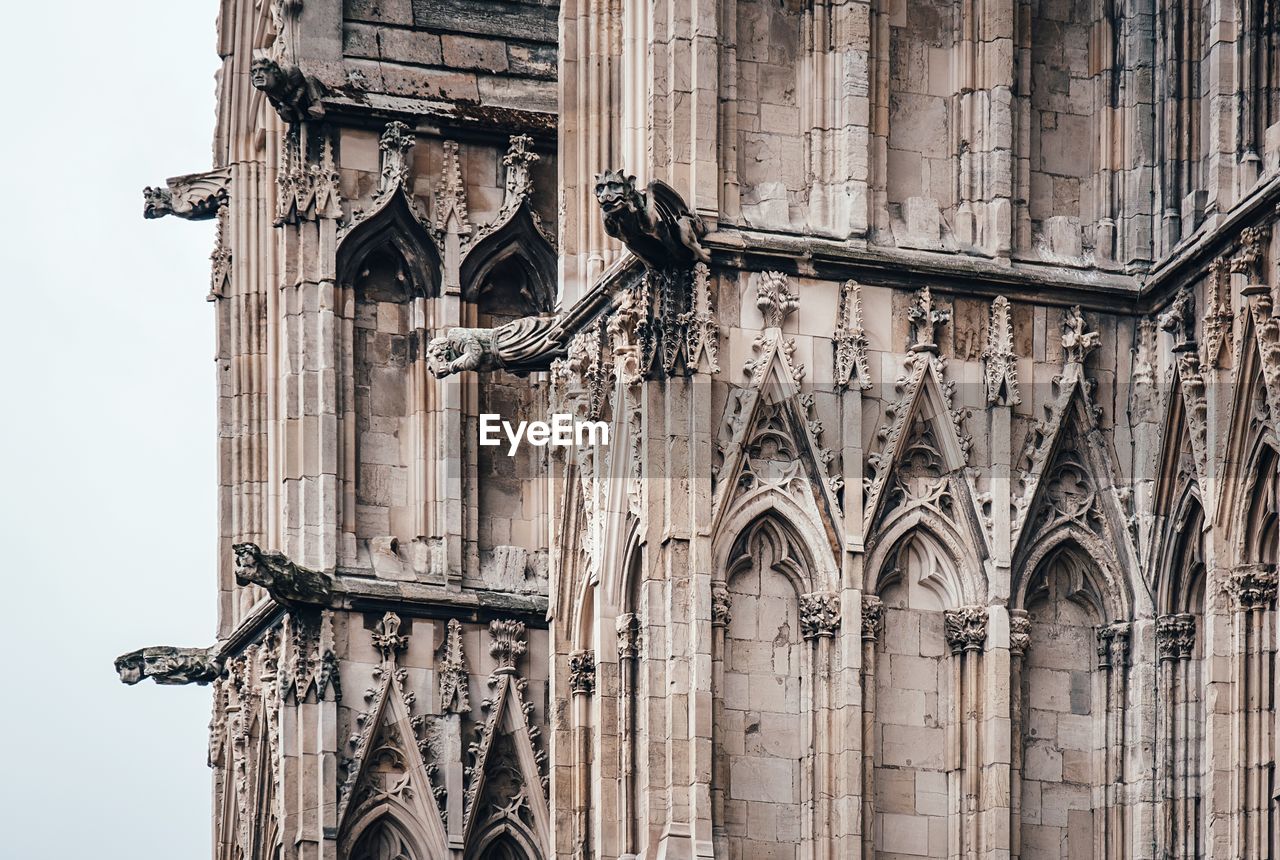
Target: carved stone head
column 617, row 192
column 266, row 74
column 249, row 570
column 130, row 666
column 156, row 202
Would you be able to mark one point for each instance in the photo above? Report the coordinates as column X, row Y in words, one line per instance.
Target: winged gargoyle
column 520, row 346
column 655, row 224
column 195, row 197
column 166, row 664
column 287, row 583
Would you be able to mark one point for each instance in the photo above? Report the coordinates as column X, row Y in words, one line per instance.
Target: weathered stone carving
column 286, row 582
column 628, row 627
column 520, row 346
column 925, row 321
column 1000, row 365
column 720, row 611
column 450, row 198
column 387, row 637
column 1113, row 645
column 1250, row 259
column 1019, row 631
column 507, row 643
column 1077, row 340
column 702, row 332
column 294, row 95
column 775, row 299
column 1175, row 636
column 307, row 179
column 1218, row 318
column 454, row 692
column 1180, row 320
column 851, row 370
column 872, row 617
column 656, row 224
column 394, row 147
column 220, row 261
column 193, row 197
column 819, row 614
column 965, row 628
column 1253, row 586
column 168, row 665
column 582, row 672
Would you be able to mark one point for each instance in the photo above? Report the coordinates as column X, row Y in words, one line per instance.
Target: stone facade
column 940, row 511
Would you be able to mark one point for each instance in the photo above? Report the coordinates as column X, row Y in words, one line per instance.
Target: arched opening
column 762, row 734
column 1064, row 698
column 384, row 840
column 503, row 848
column 916, row 692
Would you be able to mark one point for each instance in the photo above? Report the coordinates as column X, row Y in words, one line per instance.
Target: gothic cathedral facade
column 938, row 515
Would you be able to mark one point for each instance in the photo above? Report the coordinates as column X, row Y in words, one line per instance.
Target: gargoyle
column 286, row 582
column 294, row 95
column 168, row 665
column 195, row 197
column 655, row 224
column 520, row 346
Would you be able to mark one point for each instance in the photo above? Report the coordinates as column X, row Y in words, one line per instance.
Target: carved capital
column 1113, row 645
column 168, row 665
column 965, row 628
column 1175, row 636
column 819, row 614
column 1253, row 586
column 720, row 614
column 582, row 672
column 1019, row 632
column 628, row 626
column 872, row 618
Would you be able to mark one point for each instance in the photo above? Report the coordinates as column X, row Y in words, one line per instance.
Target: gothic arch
column 517, row 256
column 504, row 838
column 1111, row 591
column 383, row 826
column 788, row 519
column 1180, row 573
column 965, row 582
column 1257, row 524
column 389, row 255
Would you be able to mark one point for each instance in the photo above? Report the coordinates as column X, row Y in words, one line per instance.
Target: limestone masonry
column 935, row 341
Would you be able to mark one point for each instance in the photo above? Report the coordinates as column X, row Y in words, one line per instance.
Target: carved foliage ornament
column 454, row 694
column 872, row 618
column 925, row 321
column 851, row 370
column 582, row 672
column 1000, row 365
column 307, row 179
column 1113, row 645
column 1253, row 586
column 819, row 614
column 1019, row 631
column 1175, row 636
column 965, row 628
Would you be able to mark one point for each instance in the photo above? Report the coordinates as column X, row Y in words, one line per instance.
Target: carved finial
column 872, row 617
column 999, row 362
column 925, row 321
column 1180, row 320
column 395, row 147
column 965, row 628
column 1253, row 586
column 1077, row 340
column 454, row 693
column 702, row 332
column 518, row 161
column 450, row 199
column 582, row 672
column 1019, row 631
column 819, row 614
column 774, row 298
column 850, row 340
column 220, row 260
column 507, row 644
column 1218, row 318
column 387, row 637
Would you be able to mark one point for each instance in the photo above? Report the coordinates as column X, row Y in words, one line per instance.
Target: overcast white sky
column 107, row 494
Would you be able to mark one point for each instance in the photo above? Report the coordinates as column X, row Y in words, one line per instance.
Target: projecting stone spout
column 170, row 666
column 656, row 224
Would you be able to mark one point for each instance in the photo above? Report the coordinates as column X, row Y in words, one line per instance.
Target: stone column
column 1113, row 664
column 628, row 626
column 1019, row 642
column 872, row 627
column 1175, row 638
column 966, row 632
column 1253, row 587
column 582, row 687
column 720, row 618
column 819, row 621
